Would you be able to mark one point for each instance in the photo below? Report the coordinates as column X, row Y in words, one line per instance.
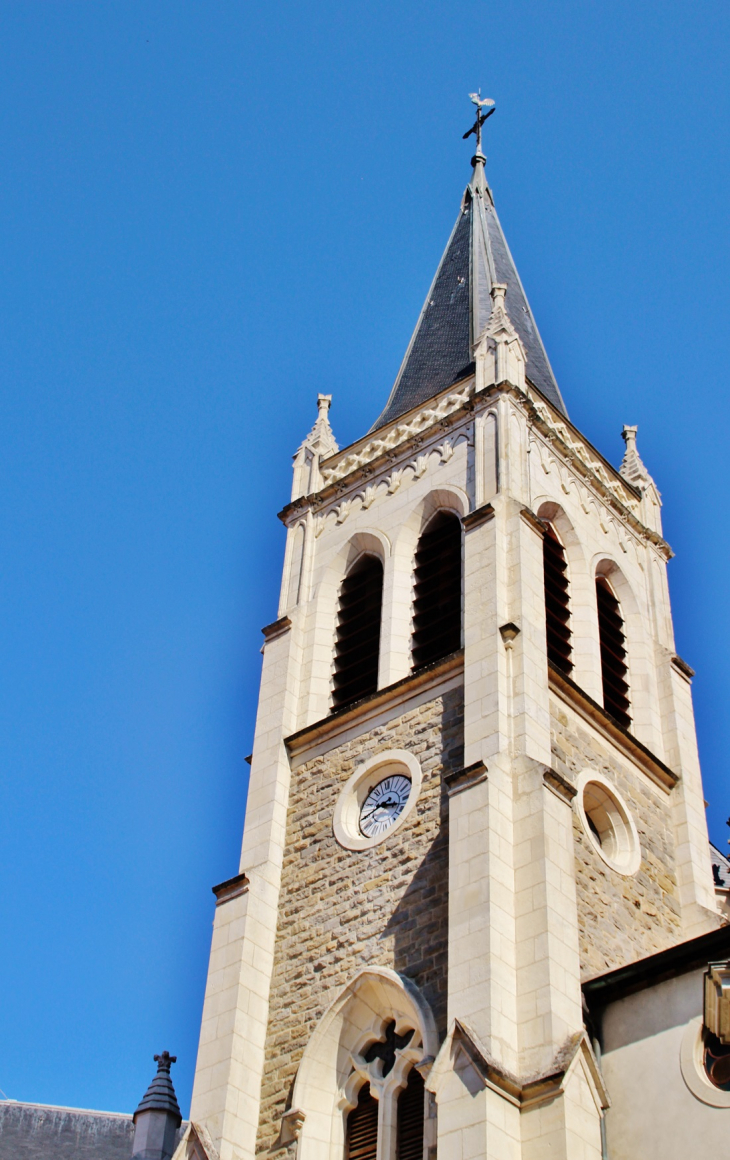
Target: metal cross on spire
column 481, row 103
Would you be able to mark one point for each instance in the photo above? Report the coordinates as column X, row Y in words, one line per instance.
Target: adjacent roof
column 42, row 1132
column 458, row 308
column 39, row 1132
column 675, row 960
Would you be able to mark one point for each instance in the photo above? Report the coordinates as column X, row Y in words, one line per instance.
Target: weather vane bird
column 481, row 103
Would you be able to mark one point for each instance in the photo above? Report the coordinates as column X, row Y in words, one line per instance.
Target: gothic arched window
column 357, row 648
column 410, row 1118
column 437, row 591
column 362, row 1127
column 557, row 602
column 614, row 667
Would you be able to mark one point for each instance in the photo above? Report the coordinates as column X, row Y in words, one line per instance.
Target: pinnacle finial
column 164, row 1062
column 476, row 129
column 632, row 467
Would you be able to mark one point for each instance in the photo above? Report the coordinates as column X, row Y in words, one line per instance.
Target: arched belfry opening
column 357, row 647
column 362, row 1127
column 437, row 590
column 614, row 661
column 360, row 1087
column 557, row 602
column 409, row 1138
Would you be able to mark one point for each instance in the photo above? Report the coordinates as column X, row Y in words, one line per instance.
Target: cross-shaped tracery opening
column 385, row 1049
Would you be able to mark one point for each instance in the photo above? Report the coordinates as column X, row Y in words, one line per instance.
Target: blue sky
column 209, row 212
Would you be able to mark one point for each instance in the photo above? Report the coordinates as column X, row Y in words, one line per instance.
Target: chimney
column 158, row 1117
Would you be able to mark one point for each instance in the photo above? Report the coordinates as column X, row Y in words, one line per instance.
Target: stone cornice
column 231, row 888
column 604, row 724
column 480, row 515
column 369, row 457
column 362, row 711
column 374, row 454
column 462, row 779
column 582, row 457
column 276, row 629
column 558, row 785
column 529, row 1091
column 532, row 521
column 682, row 667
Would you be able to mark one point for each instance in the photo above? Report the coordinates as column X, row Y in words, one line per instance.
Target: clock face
column 384, row 805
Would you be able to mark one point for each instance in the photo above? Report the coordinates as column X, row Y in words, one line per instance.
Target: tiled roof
column 458, row 307
column 40, row 1132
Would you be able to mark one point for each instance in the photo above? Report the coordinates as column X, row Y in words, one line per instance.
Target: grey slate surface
column 439, row 353
column 39, row 1132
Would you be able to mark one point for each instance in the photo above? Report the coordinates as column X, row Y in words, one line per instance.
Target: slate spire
column 459, row 305
column 158, row 1116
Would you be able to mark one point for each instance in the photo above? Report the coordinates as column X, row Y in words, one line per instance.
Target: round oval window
column 608, row 823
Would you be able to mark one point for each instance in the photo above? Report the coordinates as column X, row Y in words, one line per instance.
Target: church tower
column 474, row 779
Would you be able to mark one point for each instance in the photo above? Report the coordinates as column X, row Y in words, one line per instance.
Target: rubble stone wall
column 341, row 910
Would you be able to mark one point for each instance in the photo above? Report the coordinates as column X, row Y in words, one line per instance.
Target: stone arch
column 398, row 609
column 641, row 668
column 323, row 622
column 333, row 1068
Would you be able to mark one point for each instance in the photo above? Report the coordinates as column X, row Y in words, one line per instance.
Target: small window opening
column 614, row 668
column 557, row 602
column 357, row 649
column 410, row 1118
column 717, row 1062
column 362, row 1127
column 437, row 591
column 594, row 829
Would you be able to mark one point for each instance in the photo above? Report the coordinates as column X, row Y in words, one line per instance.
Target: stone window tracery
column 367, row 1059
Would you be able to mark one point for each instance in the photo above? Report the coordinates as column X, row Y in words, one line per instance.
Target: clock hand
column 380, row 806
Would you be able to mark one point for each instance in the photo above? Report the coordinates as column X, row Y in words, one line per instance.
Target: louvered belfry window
column 614, row 668
column 557, row 602
column 410, row 1119
column 437, row 591
column 362, row 1127
column 357, row 648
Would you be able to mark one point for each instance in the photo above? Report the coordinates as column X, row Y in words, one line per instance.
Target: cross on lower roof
column 386, row 1049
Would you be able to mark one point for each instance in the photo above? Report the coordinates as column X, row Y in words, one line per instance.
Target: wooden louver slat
column 557, row 602
column 357, row 647
column 614, row 668
column 362, row 1127
column 437, row 591
column 410, row 1118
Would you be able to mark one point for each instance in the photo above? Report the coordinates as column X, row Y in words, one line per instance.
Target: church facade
column 475, row 795
column 476, row 916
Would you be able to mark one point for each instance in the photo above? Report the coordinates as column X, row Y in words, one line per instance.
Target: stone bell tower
column 474, row 779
